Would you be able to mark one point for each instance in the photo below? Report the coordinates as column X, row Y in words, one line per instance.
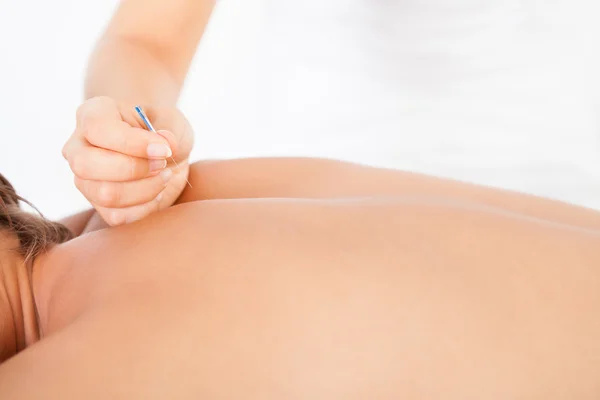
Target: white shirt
column 503, row 93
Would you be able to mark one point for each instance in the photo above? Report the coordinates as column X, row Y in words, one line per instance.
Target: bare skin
column 414, row 288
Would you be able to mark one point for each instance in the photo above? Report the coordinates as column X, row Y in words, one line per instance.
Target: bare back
column 396, row 297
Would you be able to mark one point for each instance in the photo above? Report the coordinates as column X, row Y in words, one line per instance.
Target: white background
column 503, row 93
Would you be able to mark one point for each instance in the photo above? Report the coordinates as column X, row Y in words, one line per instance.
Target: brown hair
column 35, row 233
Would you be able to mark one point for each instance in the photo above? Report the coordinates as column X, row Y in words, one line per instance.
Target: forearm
column 130, row 71
column 146, row 51
column 315, row 178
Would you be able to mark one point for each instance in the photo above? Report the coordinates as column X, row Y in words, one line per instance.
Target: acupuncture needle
column 150, row 127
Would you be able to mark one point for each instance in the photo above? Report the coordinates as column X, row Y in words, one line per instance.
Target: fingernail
column 156, row 165
column 159, row 197
column 166, row 174
column 158, row 150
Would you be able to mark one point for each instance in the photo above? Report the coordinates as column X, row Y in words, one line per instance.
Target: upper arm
column 77, row 223
column 319, row 178
column 170, row 28
column 276, row 178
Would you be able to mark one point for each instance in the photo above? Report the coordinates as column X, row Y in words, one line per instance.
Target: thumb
column 172, row 139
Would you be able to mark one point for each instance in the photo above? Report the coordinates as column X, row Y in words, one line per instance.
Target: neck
column 19, row 301
column 28, row 300
column 46, row 277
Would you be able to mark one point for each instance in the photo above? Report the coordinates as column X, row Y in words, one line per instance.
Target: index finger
column 119, row 136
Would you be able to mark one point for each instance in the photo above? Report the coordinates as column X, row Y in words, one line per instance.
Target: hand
column 124, row 170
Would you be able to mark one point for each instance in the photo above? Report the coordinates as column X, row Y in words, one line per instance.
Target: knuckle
column 107, row 195
column 85, row 114
column 64, row 151
column 78, row 165
column 81, row 111
column 114, row 217
column 72, row 144
column 93, row 131
column 80, row 185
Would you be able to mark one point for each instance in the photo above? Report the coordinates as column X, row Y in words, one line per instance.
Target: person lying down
column 318, row 280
